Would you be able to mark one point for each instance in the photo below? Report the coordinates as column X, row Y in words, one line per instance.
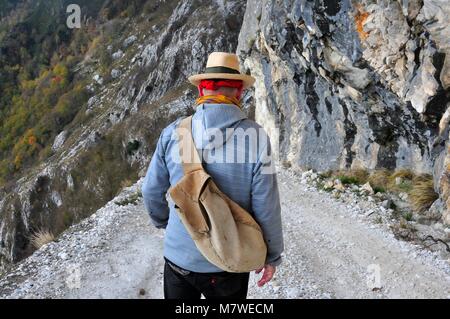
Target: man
column 249, row 182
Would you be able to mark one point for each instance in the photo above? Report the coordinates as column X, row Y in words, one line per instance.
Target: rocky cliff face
column 353, row 84
column 122, row 121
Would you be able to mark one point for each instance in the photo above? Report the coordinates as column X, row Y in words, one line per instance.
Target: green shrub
column 348, row 179
column 354, row 176
column 378, row 189
column 408, row 216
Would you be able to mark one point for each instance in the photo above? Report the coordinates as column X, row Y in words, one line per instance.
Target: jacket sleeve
column 155, row 186
column 266, row 205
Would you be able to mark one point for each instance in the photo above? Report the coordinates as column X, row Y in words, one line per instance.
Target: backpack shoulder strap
column 188, row 152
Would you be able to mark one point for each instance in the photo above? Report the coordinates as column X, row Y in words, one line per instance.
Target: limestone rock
column 367, row 188
column 386, row 203
column 356, row 77
column 434, row 15
column 441, row 170
column 59, row 141
column 115, row 73
column 338, row 185
column 129, row 41
column 359, row 86
column 423, row 85
column 117, row 55
column 328, row 185
column 98, row 79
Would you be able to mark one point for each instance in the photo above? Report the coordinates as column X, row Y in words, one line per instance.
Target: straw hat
column 222, row 65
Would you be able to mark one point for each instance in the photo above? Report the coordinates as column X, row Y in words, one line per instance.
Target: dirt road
column 332, row 250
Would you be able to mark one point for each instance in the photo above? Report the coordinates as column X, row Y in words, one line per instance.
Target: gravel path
column 333, row 250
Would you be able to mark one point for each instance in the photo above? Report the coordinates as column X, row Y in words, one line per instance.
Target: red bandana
column 215, row 84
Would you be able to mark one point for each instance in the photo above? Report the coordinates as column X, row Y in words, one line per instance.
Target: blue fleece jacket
column 247, row 180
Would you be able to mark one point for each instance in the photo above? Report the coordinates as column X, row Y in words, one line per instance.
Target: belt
column 178, row 270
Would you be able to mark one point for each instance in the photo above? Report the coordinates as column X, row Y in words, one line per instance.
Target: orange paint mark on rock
column 360, row 18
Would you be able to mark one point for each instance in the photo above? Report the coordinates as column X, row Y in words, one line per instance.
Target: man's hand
column 269, row 271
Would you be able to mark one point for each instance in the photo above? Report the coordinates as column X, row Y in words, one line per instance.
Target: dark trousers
column 182, row 284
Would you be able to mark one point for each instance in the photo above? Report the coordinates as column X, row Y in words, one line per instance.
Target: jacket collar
column 219, row 116
column 209, row 118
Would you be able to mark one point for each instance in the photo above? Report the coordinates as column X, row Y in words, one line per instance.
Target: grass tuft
column 408, row 216
column 355, row 176
column 360, row 174
column 326, row 174
column 378, row 189
column 403, row 173
column 420, row 188
column 346, row 180
column 422, row 194
column 41, row 238
column 126, row 183
column 405, row 185
column 379, row 178
column 422, row 178
column 130, row 200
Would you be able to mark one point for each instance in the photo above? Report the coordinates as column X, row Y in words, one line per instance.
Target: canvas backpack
column 225, row 233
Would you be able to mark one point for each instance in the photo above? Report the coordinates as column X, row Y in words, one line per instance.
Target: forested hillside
column 42, row 91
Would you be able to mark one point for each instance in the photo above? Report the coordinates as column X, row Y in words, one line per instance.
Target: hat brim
column 247, row 80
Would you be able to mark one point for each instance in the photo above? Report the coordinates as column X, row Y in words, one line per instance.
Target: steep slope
column 109, row 142
column 353, row 84
column 333, row 250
